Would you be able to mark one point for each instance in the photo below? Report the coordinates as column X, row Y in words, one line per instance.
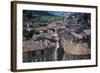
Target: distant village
column 69, row 39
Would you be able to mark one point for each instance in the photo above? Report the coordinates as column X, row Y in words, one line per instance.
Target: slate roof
column 31, row 45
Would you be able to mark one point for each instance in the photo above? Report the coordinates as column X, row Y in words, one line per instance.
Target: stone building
column 37, row 51
column 76, row 46
column 27, row 24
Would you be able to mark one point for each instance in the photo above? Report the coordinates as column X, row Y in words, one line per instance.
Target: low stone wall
column 76, row 57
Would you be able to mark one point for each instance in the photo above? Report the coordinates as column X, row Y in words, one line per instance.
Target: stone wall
column 39, row 55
